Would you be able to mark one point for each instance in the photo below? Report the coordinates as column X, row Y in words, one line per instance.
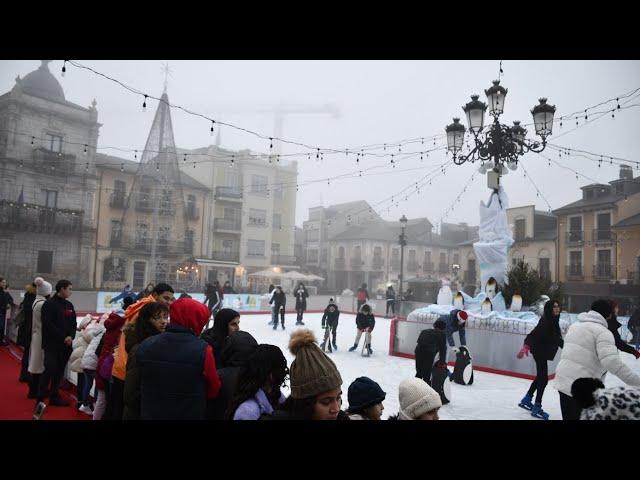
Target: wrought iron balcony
column 234, row 193
column 574, row 272
column 283, row 260
column 53, row 163
column 602, row 236
column 117, row 200
column 227, row 224
column 603, row 272
column 27, row 217
column 575, row 237
column 226, row 256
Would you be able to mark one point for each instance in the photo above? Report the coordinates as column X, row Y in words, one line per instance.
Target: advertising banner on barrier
column 241, row 302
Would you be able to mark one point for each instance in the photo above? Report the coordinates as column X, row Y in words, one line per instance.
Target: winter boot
column 322, row 346
column 329, row 346
column 537, row 412
column 335, row 346
column 369, row 349
column 275, row 326
column 526, row 402
column 354, row 347
column 282, row 326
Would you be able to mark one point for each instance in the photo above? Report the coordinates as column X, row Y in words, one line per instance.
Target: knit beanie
column 312, row 372
column 364, row 393
column 416, row 398
column 42, row 288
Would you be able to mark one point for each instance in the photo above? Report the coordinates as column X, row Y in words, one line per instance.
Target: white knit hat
column 42, row 288
column 416, row 398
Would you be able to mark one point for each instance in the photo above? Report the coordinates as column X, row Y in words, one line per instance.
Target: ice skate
column 353, row 348
column 537, row 412
column 526, row 403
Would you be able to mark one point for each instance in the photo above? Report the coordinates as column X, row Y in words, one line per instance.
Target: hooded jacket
column 24, row 331
column 365, row 320
column 331, row 317
column 80, row 345
column 113, row 325
column 545, row 338
column 590, row 351
column 89, row 360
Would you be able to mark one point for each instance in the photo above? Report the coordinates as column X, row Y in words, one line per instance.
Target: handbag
column 106, row 367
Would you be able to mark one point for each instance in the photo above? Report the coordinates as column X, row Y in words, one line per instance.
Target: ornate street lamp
column 403, row 243
column 499, row 147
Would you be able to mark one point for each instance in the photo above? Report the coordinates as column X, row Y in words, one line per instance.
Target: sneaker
column 353, row 348
column 86, row 410
column 58, row 402
column 39, row 410
column 301, row 323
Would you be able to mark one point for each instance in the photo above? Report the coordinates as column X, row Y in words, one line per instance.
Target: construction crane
column 279, row 111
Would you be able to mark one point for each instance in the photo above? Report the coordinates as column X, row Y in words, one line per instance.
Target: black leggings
column 391, row 305
column 568, row 407
column 424, row 363
column 541, row 380
column 300, row 312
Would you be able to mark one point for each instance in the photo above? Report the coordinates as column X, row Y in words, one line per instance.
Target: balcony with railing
column 603, row 272
column 443, row 268
column 377, row 263
column 339, row 263
column 27, row 217
column 427, row 267
column 257, row 222
column 227, row 224
column 574, row 272
column 193, row 212
column 412, row 267
column 53, row 163
column 143, row 203
column 229, row 193
column 226, row 256
column 283, row 259
column 117, row 200
column 574, row 237
column 601, row 236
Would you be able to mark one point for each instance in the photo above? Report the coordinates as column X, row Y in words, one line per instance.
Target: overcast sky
column 379, row 102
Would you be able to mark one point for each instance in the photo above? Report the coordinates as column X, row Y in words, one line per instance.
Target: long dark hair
column 221, row 323
column 267, row 362
column 549, row 321
column 144, row 328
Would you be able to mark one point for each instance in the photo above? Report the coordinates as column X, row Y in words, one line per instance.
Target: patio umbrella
column 266, row 274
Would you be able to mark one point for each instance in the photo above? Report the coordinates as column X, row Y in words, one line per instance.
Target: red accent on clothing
column 211, row 374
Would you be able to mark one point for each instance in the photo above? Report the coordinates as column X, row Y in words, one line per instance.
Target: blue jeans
column 85, row 388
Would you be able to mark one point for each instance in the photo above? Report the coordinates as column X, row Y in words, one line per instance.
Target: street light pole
column 403, row 242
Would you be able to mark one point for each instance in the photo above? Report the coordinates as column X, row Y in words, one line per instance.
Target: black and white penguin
column 516, row 303
column 440, row 383
column 486, row 306
column 463, row 369
column 458, row 301
column 491, row 288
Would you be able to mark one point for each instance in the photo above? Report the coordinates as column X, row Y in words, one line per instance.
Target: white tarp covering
column 495, row 239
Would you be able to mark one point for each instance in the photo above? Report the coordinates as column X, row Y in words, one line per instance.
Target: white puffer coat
column 589, row 352
column 36, row 354
column 89, row 360
column 80, row 344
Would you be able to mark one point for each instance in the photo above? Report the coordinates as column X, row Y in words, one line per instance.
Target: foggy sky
column 380, row 102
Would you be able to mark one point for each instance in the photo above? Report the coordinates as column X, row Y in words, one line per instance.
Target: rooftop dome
column 42, row 83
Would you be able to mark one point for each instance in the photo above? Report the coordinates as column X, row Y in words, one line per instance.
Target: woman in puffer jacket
column 89, row 363
column 80, row 344
column 589, row 352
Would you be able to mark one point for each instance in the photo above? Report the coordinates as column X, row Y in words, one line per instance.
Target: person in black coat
column 6, row 302
column 613, row 324
column 279, row 300
column 391, row 301
column 365, row 321
column 301, row 302
column 226, row 322
column 543, row 342
column 431, row 342
column 330, row 324
column 24, row 331
column 233, row 359
column 58, row 331
column 634, row 328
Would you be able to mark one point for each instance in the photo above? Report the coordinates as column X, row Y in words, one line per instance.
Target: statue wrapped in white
column 495, row 239
column 445, row 296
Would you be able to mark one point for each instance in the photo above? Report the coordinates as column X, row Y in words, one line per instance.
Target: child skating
column 365, row 321
column 330, row 325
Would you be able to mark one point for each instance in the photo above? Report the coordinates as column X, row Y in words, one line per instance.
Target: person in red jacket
column 113, row 325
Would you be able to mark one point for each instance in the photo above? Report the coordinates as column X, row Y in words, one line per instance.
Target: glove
column 636, row 354
column 524, row 351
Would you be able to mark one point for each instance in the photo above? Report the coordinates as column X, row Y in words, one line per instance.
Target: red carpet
column 14, row 404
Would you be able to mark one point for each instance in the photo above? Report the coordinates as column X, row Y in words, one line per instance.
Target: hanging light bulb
column 64, row 68
column 184, row 159
column 85, row 149
column 32, row 140
column 122, row 167
column 212, row 122
column 144, row 104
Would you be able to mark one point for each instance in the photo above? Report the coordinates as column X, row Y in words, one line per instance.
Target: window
column 113, row 270
column 520, row 229
column 164, row 233
column 456, row 258
column 427, row 257
column 575, row 263
column 232, row 214
column 166, row 203
column 188, row 241
column 116, row 233
column 544, row 268
column 45, row 262
column 257, row 217
column 588, row 193
column 232, row 179
column 619, row 188
column 377, row 252
column 277, row 220
column 313, row 235
column 162, row 272
column 278, row 191
column 312, row 255
column 191, row 205
column 341, row 252
column 119, row 187
column 575, row 229
column 50, row 198
column 604, row 257
column 53, row 143
column 604, row 226
column 141, row 235
column 255, row 248
column 323, row 256
column 139, row 269
column 259, row 184
column 275, row 249
column 227, row 246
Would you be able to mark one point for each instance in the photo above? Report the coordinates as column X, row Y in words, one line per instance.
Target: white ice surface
column 491, row 397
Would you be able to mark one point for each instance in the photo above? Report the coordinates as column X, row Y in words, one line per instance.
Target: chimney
column 626, row 173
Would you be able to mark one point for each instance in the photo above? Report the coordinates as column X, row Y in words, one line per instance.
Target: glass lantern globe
column 455, row 136
column 475, row 114
column 543, row 118
column 496, row 96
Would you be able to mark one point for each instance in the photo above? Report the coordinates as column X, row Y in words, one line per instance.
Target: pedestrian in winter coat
column 365, row 399
column 456, row 321
column 235, row 355
column 257, row 392
column 634, row 328
column 614, row 325
column 89, row 363
column 431, row 342
column 148, row 290
column 177, row 368
column 58, row 331
column 104, row 407
column 330, row 324
column 227, row 288
column 86, row 331
column 279, row 300
column 301, row 302
column 316, row 392
column 162, row 293
column 589, row 352
column 362, row 296
column 269, row 297
column 213, row 298
column 418, row 401
column 226, row 322
column 36, row 353
column 391, row 301
column 6, row 303
column 599, row 403
column 365, row 321
column 153, row 320
column 24, row 331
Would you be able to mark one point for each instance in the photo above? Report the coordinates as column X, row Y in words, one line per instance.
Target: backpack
column 362, row 295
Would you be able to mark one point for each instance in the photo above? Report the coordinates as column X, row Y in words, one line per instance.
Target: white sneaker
column 85, row 409
column 39, row 410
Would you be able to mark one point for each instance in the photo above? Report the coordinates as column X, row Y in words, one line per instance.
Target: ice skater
column 365, row 321
column 301, row 302
column 431, row 342
column 330, row 325
column 391, row 301
column 543, row 342
column 279, row 300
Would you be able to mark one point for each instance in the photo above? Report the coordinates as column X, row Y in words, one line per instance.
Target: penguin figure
column 458, row 301
column 516, row 303
column 463, row 369
column 440, row 382
column 486, row 306
column 491, row 289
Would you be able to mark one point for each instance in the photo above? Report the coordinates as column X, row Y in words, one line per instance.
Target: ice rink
column 491, row 397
